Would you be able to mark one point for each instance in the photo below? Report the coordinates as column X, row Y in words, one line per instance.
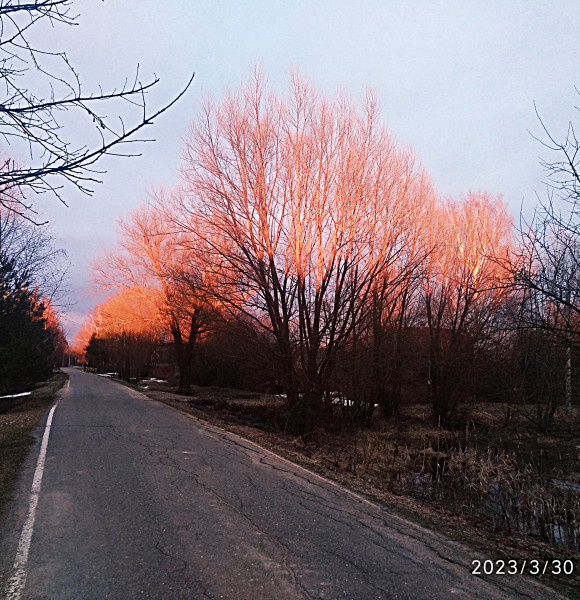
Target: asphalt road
column 140, row 501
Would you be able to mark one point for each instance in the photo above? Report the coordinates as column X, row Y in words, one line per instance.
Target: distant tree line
column 306, row 253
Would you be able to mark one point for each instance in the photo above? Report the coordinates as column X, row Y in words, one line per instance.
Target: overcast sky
column 456, row 81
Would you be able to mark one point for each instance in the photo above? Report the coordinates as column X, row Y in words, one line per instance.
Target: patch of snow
column 16, row 395
column 338, row 398
column 108, row 374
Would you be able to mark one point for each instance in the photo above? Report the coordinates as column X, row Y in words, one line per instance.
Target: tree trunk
column 184, row 352
column 184, row 356
column 569, row 379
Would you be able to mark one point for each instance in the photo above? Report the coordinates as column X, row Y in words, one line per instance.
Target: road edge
column 394, row 512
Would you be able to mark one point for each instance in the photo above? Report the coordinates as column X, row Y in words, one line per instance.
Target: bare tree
column 464, row 286
column 39, row 87
column 162, row 265
column 394, row 291
column 306, row 200
column 548, row 270
column 32, row 250
column 550, row 263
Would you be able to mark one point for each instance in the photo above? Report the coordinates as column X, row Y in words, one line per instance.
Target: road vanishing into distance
column 140, row 501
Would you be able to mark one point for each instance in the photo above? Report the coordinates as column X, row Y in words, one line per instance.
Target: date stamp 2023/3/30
column 521, row 567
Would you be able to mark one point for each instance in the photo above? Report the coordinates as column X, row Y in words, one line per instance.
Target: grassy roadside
column 16, row 427
column 234, row 411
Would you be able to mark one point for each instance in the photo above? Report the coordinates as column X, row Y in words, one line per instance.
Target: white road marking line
column 16, row 583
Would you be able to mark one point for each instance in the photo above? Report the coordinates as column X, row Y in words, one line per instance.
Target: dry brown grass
column 16, row 427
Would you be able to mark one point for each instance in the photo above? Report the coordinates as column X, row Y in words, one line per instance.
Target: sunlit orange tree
column 166, row 269
column 305, row 200
column 466, row 284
